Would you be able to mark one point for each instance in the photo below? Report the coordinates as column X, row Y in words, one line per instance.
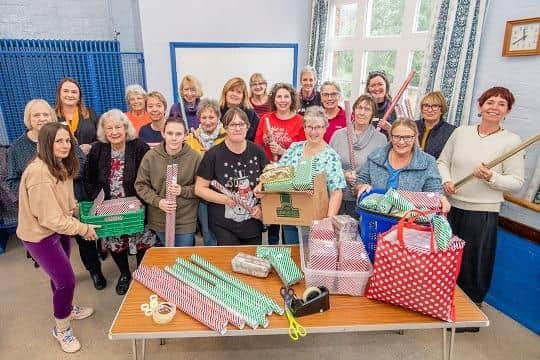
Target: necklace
column 488, row 134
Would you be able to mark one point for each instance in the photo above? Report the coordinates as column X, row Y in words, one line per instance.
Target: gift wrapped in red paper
column 345, row 227
column 118, row 206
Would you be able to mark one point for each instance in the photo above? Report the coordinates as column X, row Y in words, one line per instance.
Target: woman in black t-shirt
column 236, row 164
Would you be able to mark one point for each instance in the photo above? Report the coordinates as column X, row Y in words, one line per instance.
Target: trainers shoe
column 68, row 342
column 80, row 312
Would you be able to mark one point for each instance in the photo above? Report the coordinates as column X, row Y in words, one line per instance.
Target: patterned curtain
column 317, row 42
column 453, row 53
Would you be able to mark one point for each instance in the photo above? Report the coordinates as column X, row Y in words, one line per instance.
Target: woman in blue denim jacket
column 401, row 164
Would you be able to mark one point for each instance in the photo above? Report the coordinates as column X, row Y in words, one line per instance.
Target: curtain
column 317, row 41
column 452, row 55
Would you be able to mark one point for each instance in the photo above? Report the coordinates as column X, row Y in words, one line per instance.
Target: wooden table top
column 347, row 313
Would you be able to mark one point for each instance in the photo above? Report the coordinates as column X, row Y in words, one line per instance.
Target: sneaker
column 80, row 312
column 68, row 342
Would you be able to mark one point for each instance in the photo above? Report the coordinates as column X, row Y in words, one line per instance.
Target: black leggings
column 121, row 259
column 226, row 238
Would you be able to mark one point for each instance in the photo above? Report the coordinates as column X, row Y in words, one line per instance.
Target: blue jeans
column 208, row 236
column 179, row 239
column 289, row 234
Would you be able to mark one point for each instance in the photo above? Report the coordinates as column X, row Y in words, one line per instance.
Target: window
column 374, row 35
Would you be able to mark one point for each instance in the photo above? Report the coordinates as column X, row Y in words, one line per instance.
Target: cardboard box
column 296, row 207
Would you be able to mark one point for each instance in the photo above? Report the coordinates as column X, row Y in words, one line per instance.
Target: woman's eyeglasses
column 431, row 107
column 241, row 125
column 406, row 138
column 315, row 128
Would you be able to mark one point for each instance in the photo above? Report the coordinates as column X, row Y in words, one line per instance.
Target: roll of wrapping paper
column 187, row 291
column 282, row 261
column 170, row 218
column 442, row 231
column 196, row 136
column 207, row 265
column 173, row 287
column 157, row 285
column 210, row 290
column 270, row 138
column 239, row 200
column 225, row 287
column 397, row 97
column 501, row 158
column 408, row 106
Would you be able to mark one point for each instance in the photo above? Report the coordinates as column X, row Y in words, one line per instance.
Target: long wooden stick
column 501, row 158
column 398, row 95
column 350, row 131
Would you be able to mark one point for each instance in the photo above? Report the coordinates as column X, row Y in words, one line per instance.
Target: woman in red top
column 278, row 129
column 330, row 97
column 258, row 96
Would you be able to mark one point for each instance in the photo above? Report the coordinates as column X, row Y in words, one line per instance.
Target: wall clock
column 522, row 37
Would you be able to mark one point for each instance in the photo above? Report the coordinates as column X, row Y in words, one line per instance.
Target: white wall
column 266, row 21
column 521, row 75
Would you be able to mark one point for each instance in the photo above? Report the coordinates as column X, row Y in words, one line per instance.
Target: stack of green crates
column 115, row 224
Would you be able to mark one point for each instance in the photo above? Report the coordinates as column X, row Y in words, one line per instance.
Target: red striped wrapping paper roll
column 188, row 292
column 157, row 282
column 170, row 219
column 422, row 200
column 239, row 200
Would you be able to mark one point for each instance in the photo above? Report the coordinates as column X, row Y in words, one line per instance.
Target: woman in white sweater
column 476, row 204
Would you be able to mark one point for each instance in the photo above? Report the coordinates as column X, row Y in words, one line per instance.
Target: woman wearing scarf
column 209, row 133
column 363, row 139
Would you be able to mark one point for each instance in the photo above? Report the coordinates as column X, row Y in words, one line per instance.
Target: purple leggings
column 52, row 255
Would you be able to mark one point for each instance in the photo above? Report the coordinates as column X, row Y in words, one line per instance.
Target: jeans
column 289, row 234
column 52, row 255
column 208, row 236
column 179, row 239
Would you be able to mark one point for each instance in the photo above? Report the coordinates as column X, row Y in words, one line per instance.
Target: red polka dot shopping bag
column 411, row 271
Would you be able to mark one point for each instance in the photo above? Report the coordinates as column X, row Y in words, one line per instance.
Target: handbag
column 409, row 270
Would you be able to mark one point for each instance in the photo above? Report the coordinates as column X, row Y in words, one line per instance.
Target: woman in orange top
column 136, row 100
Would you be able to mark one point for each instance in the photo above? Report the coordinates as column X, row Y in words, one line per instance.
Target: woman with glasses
column 330, row 97
column 236, row 164
column 309, row 96
column 235, row 94
column 476, row 204
column 136, row 100
column 433, row 131
column 325, row 160
column 259, row 97
column 361, row 141
column 190, row 94
column 401, row 164
column 378, row 86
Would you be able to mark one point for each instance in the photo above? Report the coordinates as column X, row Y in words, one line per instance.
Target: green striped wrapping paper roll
column 250, row 300
column 384, row 206
column 282, row 261
column 398, row 201
column 239, row 303
column 279, row 186
column 211, row 291
column 370, row 202
column 205, row 264
column 304, row 174
column 442, row 231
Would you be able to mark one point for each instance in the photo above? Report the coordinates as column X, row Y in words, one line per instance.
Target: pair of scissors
column 295, row 329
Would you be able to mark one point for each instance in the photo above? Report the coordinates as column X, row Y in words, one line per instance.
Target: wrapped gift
column 353, row 256
column 323, row 254
column 304, row 174
column 345, row 227
column 322, row 230
column 274, row 172
column 119, row 206
column 422, row 200
column 251, row 265
column 99, row 199
column 279, row 186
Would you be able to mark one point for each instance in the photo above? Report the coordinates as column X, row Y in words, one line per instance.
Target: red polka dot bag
column 409, row 270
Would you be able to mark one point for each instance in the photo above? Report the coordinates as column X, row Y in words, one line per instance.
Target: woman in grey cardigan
column 401, row 164
column 364, row 139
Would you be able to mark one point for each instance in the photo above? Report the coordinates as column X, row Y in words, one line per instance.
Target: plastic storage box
column 113, row 225
column 337, row 282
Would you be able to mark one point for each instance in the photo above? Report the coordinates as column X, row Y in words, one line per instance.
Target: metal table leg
column 444, row 350
column 143, row 349
column 134, row 349
column 448, row 349
column 451, row 349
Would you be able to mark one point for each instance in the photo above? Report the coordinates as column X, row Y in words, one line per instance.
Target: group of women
column 67, row 154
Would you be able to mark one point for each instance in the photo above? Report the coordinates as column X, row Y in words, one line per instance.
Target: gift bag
column 410, row 272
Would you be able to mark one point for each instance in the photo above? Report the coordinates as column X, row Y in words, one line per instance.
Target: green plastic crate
column 113, row 225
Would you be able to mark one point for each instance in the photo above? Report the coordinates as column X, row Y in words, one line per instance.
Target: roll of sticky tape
column 164, row 312
column 153, row 302
column 311, row 293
